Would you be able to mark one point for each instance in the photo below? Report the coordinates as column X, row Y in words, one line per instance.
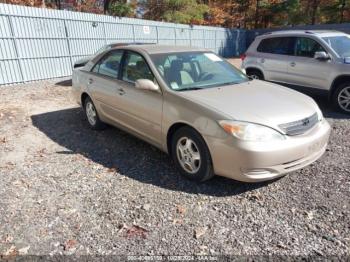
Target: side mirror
column 323, row 56
column 146, row 84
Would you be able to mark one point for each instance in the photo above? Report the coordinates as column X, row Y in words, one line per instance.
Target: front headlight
column 249, row 131
column 319, row 114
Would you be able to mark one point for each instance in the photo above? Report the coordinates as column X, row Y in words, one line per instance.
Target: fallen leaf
column 180, row 209
column 203, row 250
column 309, row 215
column 177, row 221
column 199, row 232
column 8, row 239
column 136, row 231
column 146, row 207
column 281, row 245
column 70, row 244
column 121, row 227
column 255, row 196
column 11, row 252
column 22, row 183
column 23, row 250
column 3, row 140
column 41, row 152
column 98, row 176
column 112, row 170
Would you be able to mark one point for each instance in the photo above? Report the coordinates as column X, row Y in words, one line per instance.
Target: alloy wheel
column 91, row 113
column 188, row 155
column 344, row 99
column 254, row 77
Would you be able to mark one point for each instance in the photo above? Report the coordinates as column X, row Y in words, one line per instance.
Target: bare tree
column 342, row 9
column 58, row 4
column 315, row 5
column 257, row 13
column 106, row 6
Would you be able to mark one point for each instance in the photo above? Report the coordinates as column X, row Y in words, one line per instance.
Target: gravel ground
column 66, row 189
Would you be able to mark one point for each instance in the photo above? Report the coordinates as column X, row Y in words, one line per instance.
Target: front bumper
column 261, row 161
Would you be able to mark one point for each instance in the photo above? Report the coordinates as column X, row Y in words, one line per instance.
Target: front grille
column 299, row 127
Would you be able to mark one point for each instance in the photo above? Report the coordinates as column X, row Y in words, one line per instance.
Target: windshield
column 340, row 44
column 196, row 70
column 102, row 49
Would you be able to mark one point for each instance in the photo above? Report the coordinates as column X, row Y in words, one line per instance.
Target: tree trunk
column 257, row 14
column 342, row 9
column 58, row 4
column 232, row 13
column 315, row 4
column 106, row 6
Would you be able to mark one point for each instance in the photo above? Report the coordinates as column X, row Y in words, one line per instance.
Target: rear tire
column 255, row 74
column 341, row 97
column 191, row 155
column 92, row 115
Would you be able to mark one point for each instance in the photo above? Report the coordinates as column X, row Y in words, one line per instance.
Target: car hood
column 257, row 102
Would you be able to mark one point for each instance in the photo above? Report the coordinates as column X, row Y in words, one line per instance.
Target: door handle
column 90, row 81
column 292, row 64
column 121, row 91
column 262, row 60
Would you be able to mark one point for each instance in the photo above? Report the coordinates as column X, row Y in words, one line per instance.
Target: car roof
column 161, row 49
column 116, row 44
column 319, row 33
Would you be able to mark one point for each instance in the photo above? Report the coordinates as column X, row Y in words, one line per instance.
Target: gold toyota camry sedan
column 207, row 115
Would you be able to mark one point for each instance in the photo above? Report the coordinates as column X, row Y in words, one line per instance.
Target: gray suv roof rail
column 287, row 31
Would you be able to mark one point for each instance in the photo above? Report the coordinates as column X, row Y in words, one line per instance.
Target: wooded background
column 248, row 14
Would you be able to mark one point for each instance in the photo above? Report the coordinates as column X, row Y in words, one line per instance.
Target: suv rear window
column 277, row 45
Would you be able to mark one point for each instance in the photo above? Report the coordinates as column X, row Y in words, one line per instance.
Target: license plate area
column 316, row 146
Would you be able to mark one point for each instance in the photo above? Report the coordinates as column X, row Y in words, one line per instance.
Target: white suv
column 319, row 60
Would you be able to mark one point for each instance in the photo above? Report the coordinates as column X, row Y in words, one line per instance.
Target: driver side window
column 135, row 67
column 307, row 47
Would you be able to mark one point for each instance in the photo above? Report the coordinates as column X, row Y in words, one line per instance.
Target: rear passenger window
column 307, row 47
column 109, row 64
column 277, row 45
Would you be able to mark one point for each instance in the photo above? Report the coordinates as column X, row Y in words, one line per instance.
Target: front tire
column 191, row 155
column 341, row 97
column 255, row 74
column 92, row 115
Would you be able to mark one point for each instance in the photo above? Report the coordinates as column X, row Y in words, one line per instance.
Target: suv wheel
column 191, row 155
column 341, row 97
column 255, row 74
column 92, row 116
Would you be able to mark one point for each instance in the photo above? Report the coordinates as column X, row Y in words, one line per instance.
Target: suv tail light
column 243, row 56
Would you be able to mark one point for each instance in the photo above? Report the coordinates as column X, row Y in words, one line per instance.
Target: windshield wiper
column 229, row 83
column 189, row 88
column 208, row 86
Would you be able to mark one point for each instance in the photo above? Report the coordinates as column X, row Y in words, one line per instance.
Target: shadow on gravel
column 67, row 82
column 132, row 157
column 327, row 110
